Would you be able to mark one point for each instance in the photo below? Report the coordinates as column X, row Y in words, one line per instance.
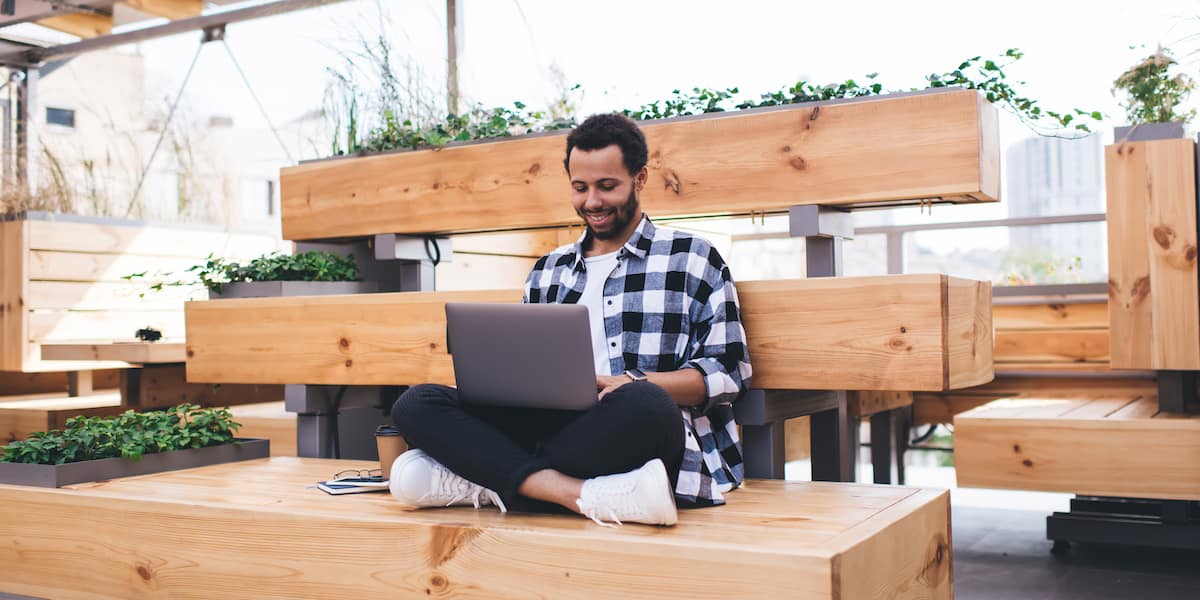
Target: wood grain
column 59, row 325
column 968, row 331
column 1050, row 315
column 257, row 529
column 163, row 385
column 1115, row 448
column 13, row 266
column 890, row 149
column 1051, row 346
column 65, row 236
column 867, row 403
column 84, row 25
column 864, row 333
column 43, row 412
column 171, row 9
column 268, row 420
column 130, row 352
column 1154, row 319
column 14, row 382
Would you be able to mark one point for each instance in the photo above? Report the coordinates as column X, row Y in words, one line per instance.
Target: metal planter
column 112, row 468
column 275, row 289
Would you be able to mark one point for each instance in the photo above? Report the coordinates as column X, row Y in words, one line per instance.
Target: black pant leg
column 492, row 447
column 634, row 424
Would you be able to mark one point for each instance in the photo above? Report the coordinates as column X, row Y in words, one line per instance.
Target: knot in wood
column 144, row 573
column 1164, row 236
column 437, row 583
column 798, row 163
column 535, row 168
column 343, row 342
column 671, row 181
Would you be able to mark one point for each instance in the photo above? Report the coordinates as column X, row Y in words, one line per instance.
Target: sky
column 623, row 53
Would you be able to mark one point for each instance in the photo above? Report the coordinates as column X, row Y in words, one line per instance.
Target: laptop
column 526, row 355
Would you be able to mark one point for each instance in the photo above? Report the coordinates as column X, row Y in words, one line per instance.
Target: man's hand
column 608, row 383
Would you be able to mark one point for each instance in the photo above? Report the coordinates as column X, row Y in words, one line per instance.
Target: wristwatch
column 636, row 374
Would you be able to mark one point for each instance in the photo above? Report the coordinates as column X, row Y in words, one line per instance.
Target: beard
column 622, row 216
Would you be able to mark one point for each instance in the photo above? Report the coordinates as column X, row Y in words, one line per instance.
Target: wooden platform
column 255, row 529
column 1108, row 444
column 20, row 416
column 268, row 420
column 132, row 352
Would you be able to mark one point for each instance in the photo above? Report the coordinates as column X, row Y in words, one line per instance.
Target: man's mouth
column 599, row 219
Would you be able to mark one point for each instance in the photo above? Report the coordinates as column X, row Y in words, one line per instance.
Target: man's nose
column 593, row 199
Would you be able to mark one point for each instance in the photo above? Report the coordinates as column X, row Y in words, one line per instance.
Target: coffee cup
column 391, row 445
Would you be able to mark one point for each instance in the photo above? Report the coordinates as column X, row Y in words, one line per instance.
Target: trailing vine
column 988, row 76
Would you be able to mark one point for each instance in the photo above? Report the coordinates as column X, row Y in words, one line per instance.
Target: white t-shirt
column 598, row 269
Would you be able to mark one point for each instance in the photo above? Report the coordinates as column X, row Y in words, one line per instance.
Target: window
column 60, row 116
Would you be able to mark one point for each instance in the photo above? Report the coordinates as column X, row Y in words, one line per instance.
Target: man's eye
column 608, row 188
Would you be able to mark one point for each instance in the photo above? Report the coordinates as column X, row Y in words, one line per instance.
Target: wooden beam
column 1153, row 288
column 130, row 352
column 1052, row 347
column 884, row 150
column 171, row 9
column 858, row 333
column 81, row 24
column 1106, row 446
column 14, row 383
column 773, row 539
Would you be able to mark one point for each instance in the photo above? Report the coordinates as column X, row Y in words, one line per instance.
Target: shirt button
column 610, row 302
column 613, row 344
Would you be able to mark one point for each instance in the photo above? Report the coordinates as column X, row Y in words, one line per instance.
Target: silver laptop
column 528, row 355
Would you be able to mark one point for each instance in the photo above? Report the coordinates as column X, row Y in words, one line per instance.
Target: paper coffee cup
column 391, row 445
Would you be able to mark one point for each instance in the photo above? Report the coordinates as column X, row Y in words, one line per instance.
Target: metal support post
column 1176, row 391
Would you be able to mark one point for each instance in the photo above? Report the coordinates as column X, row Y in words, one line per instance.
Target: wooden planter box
column 112, row 468
column 60, row 280
column 879, row 151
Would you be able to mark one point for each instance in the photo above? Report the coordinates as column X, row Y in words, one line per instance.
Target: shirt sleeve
column 718, row 344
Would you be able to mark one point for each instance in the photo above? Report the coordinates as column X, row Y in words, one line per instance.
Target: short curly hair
column 601, row 131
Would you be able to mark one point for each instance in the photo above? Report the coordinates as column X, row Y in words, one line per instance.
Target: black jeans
column 498, row 447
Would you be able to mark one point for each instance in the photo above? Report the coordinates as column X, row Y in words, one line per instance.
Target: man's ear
column 640, row 179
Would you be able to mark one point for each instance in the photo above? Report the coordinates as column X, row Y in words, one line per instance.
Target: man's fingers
column 604, row 392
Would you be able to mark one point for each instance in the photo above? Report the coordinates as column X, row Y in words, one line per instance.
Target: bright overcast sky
column 625, row 52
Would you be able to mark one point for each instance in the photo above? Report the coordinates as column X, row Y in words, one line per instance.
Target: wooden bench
column 1110, row 443
column 260, row 529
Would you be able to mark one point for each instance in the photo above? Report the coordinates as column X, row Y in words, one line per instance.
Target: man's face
column 604, row 193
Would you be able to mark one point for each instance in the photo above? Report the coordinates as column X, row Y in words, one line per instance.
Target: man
column 670, row 358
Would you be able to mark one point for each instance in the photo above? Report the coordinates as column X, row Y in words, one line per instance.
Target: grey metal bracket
column 1177, row 391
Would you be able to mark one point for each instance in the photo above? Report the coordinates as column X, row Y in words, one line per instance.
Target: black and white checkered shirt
column 669, row 304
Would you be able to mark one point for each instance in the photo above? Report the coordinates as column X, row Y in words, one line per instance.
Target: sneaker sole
column 660, row 479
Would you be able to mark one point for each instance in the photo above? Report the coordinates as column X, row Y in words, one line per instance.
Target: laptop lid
column 528, row 355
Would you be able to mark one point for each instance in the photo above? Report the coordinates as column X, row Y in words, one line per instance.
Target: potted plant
column 1155, row 91
column 97, row 448
column 311, row 273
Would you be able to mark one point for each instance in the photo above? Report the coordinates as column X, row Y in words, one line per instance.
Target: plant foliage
column 129, row 435
column 986, row 75
column 1153, row 93
column 215, row 272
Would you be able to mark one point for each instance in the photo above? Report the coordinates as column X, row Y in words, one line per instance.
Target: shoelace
column 605, row 501
column 457, row 489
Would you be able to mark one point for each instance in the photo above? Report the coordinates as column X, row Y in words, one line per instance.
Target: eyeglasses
column 359, row 473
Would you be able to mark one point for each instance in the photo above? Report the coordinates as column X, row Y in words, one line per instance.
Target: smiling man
column 670, row 356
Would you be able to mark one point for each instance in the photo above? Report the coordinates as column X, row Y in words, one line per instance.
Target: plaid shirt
column 677, row 308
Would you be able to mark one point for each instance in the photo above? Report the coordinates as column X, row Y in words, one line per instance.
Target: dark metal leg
column 1131, row 521
column 834, row 443
column 881, row 446
column 902, row 423
column 764, row 449
column 1176, row 390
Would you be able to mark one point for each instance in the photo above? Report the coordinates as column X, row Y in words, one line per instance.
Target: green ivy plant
column 1153, row 93
column 129, row 435
column 986, row 75
column 215, row 272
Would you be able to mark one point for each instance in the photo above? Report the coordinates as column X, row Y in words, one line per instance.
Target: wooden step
column 268, row 420
column 259, row 529
column 1105, row 444
column 893, row 332
column 20, row 416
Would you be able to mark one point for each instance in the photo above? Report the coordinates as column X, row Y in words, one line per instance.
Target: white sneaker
column 418, row 480
column 640, row 496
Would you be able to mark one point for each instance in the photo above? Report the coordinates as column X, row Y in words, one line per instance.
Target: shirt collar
column 637, row 245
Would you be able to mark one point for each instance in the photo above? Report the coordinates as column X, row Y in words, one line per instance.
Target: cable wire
column 162, row 134
column 261, row 108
